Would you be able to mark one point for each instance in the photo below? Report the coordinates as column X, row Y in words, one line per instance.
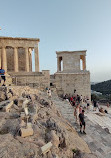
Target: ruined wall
column 66, row 83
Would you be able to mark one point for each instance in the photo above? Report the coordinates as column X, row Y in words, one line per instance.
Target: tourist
column 73, row 103
column 107, row 104
column 81, row 99
column 2, row 76
column 77, row 112
column 47, row 90
column 80, row 109
column 82, row 122
column 78, row 98
column 49, row 93
column 88, row 104
column 95, row 105
column 84, row 99
column 71, row 99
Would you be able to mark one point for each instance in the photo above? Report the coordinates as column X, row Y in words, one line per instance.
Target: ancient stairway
column 98, row 140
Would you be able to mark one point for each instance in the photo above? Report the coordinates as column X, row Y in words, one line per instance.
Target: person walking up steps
column 82, row 122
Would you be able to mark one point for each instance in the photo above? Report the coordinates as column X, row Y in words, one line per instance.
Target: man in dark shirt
column 82, row 122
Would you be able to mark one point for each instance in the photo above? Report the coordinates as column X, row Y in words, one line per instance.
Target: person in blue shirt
column 2, row 75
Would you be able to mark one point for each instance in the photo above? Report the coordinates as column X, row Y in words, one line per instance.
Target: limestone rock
column 54, row 138
column 2, row 96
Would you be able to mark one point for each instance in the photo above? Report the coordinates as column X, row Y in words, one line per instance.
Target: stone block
column 26, row 111
column 22, row 115
column 20, row 101
column 25, row 132
column 8, row 106
column 29, row 125
column 46, row 148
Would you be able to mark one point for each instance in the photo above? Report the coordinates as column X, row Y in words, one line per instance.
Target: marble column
column 4, row 59
column 30, row 59
column 36, row 50
column 15, row 59
column 26, row 60
column 58, row 64
column 59, row 59
column 84, row 62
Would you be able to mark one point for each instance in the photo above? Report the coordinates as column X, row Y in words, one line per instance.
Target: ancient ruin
column 36, row 125
column 16, row 60
column 71, row 73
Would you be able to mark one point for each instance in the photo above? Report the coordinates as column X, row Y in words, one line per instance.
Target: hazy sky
column 63, row 25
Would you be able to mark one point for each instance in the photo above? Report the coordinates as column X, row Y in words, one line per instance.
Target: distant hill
column 103, row 87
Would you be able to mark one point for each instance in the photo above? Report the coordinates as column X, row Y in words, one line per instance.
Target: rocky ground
column 46, row 121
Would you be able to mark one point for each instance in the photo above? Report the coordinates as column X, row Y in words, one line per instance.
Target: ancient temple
column 72, row 74
column 16, row 60
column 16, row 54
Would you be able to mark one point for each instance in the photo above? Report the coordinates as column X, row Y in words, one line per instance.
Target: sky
column 63, row 25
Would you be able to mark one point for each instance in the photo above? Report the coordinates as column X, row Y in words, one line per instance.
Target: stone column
column 4, row 59
column 36, row 50
column 84, row 62
column 15, row 59
column 30, row 59
column 26, row 60
column 58, row 64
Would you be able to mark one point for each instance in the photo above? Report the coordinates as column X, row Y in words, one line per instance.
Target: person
column 80, row 109
column 49, row 93
column 95, row 105
column 88, row 104
column 2, row 75
column 71, row 99
column 77, row 112
column 107, row 106
column 47, row 90
column 78, row 98
column 81, row 99
column 82, row 122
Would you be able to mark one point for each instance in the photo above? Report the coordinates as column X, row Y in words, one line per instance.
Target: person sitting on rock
column 82, row 122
